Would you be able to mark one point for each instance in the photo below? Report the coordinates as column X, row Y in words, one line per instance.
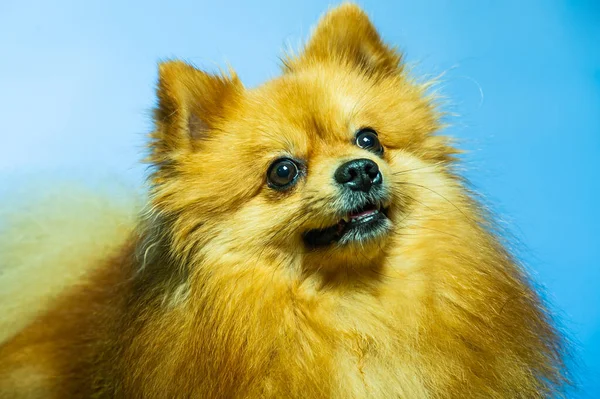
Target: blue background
column 522, row 77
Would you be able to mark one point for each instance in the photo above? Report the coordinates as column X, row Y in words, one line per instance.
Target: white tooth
column 346, row 219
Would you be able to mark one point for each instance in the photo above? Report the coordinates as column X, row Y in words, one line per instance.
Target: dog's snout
column 358, row 174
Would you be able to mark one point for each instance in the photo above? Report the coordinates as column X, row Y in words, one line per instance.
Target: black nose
column 358, row 174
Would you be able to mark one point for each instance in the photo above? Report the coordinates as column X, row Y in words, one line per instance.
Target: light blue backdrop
column 523, row 77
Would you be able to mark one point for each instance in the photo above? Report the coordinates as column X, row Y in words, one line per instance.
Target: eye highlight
column 282, row 174
column 367, row 139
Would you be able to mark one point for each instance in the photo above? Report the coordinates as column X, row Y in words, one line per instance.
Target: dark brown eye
column 368, row 140
column 282, row 174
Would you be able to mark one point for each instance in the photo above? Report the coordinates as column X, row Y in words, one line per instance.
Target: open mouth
column 358, row 225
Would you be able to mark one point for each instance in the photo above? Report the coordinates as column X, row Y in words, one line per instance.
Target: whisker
column 416, row 169
column 440, row 195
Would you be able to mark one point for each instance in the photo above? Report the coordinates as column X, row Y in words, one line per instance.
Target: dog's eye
column 282, row 173
column 368, row 140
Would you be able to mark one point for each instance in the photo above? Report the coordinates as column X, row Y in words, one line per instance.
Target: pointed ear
column 346, row 35
column 190, row 103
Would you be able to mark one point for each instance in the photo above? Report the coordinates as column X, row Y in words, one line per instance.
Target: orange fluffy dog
column 309, row 238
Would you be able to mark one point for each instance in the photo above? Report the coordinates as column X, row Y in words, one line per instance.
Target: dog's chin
column 368, row 224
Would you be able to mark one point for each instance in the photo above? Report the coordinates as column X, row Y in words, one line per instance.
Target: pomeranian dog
column 309, row 238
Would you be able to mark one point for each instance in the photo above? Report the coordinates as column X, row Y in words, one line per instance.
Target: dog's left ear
column 191, row 103
column 346, row 35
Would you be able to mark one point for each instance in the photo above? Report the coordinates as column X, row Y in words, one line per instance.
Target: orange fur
column 215, row 293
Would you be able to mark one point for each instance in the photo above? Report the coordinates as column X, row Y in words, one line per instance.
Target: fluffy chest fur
column 426, row 319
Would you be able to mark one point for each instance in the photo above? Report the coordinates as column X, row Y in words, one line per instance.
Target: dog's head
column 325, row 161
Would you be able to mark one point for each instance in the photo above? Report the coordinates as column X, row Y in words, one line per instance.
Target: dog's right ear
column 190, row 104
column 346, row 36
